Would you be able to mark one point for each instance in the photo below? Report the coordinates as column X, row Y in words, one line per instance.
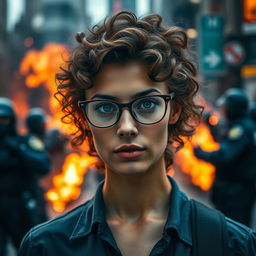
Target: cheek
column 100, row 139
column 158, row 135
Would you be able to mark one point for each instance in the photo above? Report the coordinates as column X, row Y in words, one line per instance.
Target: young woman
column 129, row 88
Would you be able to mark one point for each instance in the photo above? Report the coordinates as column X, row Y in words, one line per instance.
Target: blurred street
column 36, row 37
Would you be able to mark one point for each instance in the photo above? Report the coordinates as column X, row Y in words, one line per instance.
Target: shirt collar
column 93, row 214
column 179, row 214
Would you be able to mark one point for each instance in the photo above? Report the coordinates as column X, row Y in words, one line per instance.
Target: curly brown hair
column 122, row 38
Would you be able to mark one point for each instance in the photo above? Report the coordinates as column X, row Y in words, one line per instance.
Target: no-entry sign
column 234, row 53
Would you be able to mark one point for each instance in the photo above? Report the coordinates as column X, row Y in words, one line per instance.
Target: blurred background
column 35, row 37
column 222, row 34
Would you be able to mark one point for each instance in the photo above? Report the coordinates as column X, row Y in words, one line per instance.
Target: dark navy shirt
column 84, row 231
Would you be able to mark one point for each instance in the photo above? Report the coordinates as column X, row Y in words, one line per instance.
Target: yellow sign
column 248, row 71
column 249, row 10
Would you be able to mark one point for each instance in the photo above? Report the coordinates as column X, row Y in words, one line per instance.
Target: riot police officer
column 22, row 161
column 53, row 139
column 54, row 143
column 233, row 190
column 36, row 122
column 36, row 127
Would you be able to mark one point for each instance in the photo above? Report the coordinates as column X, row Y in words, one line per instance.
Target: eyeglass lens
column 145, row 110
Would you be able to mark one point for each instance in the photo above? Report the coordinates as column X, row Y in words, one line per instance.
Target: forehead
column 123, row 81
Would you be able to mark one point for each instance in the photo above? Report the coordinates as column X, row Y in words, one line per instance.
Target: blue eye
column 105, row 108
column 147, row 104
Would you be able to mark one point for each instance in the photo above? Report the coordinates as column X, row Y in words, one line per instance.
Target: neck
column 136, row 196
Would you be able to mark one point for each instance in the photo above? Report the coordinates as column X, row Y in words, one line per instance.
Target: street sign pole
column 211, row 42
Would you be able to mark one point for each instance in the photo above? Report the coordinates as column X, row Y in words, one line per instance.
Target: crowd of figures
column 24, row 160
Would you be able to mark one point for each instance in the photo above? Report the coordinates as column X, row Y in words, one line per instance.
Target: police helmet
column 236, row 102
column 6, row 108
column 35, row 121
column 7, row 111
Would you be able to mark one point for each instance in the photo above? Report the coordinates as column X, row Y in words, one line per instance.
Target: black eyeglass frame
column 121, row 106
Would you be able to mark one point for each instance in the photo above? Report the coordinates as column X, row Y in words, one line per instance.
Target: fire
column 202, row 173
column 67, row 185
column 40, row 67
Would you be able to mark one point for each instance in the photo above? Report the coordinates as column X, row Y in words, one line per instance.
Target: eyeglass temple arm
column 172, row 94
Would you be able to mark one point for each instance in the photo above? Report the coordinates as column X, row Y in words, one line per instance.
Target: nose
column 127, row 125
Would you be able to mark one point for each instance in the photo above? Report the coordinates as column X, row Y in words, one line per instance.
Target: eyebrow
column 136, row 95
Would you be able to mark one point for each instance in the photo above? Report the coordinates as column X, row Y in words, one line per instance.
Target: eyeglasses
column 145, row 110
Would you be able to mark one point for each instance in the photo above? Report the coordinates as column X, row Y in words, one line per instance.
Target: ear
column 175, row 113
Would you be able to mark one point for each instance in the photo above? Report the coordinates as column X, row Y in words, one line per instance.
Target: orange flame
column 202, row 173
column 40, row 67
column 67, row 184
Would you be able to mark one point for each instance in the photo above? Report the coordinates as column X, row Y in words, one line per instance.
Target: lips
column 129, row 151
column 129, row 148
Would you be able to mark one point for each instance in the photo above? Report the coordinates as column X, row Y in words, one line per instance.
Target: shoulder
column 61, row 224
column 241, row 239
column 52, row 233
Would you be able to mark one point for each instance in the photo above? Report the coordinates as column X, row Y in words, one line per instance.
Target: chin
column 130, row 168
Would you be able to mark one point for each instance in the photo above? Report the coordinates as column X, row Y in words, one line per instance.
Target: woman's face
column 129, row 147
